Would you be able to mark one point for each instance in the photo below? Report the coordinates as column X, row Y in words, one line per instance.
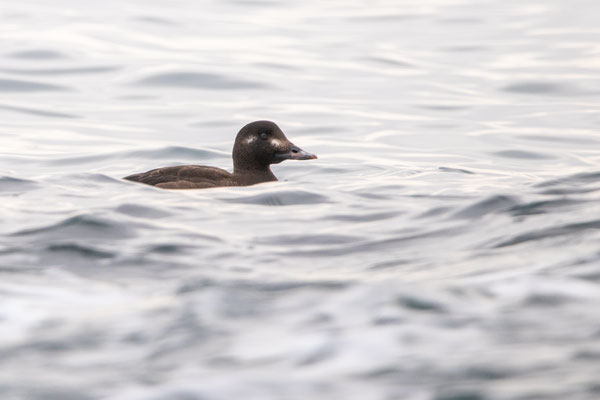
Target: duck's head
column 262, row 143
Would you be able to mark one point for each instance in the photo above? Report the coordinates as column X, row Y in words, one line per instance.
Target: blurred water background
column 444, row 246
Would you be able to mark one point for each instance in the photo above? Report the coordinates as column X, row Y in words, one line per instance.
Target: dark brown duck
column 257, row 145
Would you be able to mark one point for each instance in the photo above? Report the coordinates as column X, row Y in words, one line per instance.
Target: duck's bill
column 296, row 153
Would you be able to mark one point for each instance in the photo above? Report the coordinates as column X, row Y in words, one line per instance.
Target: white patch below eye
column 276, row 143
column 250, row 139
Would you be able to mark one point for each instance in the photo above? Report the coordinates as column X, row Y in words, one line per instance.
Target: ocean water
column 444, row 246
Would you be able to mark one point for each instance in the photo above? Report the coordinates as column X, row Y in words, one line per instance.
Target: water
column 443, row 246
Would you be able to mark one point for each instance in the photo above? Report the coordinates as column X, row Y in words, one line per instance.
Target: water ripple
column 548, row 88
column 141, row 211
column 175, row 152
column 389, row 61
column 38, row 54
column 543, row 206
column 13, row 85
column 362, row 217
column 486, row 206
column 38, row 112
column 10, row 184
column 197, row 80
column 81, row 226
column 304, row 240
column 156, row 20
column 80, row 250
column 583, row 178
column 568, row 229
column 61, row 71
column 282, row 198
column 375, row 246
column 164, row 153
column 458, row 170
column 521, row 154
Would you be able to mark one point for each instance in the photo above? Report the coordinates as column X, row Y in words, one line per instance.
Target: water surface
column 443, row 246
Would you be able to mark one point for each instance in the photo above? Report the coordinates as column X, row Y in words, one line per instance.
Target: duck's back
column 184, row 177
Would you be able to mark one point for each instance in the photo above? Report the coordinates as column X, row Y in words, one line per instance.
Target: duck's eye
column 264, row 135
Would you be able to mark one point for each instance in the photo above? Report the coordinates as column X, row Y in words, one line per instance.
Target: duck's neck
column 251, row 176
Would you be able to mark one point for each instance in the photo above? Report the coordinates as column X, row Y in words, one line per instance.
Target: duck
column 257, row 146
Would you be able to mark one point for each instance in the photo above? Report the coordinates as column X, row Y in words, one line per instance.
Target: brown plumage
column 257, row 145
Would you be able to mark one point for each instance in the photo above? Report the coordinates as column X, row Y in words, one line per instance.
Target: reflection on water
column 444, row 245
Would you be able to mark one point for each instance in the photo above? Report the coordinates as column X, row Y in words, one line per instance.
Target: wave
column 373, row 246
column 37, row 54
column 575, row 179
column 13, row 85
column 521, row 154
column 81, row 226
column 488, row 205
column 198, row 80
column 549, row 88
column 568, row 229
column 282, row 198
column 62, row 71
column 38, row 112
column 164, row 153
column 79, row 249
column 10, row 184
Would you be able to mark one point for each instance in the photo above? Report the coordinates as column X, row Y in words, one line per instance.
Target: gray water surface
column 444, row 246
